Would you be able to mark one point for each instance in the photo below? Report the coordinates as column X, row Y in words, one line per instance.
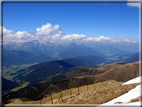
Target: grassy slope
column 12, row 71
column 66, row 74
column 44, row 70
column 121, row 74
column 102, row 93
column 83, row 71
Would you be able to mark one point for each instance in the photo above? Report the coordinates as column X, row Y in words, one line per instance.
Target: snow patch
column 125, row 98
column 132, row 81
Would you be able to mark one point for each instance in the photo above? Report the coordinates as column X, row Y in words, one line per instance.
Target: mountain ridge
column 53, row 67
column 116, row 74
column 22, row 57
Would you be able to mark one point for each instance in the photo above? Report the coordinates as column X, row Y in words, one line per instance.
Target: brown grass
column 122, row 73
column 104, row 92
column 135, row 99
column 116, row 72
column 99, row 96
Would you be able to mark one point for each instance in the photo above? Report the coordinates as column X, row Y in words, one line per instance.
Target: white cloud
column 45, row 34
column 48, row 29
column 23, row 35
column 98, row 39
column 119, row 41
column 108, row 39
column 89, row 39
column 42, row 34
column 57, row 36
column 58, row 29
column 9, row 35
column 73, row 37
column 45, row 29
column 128, row 41
column 134, row 41
column 102, row 38
column 114, row 40
column 5, row 31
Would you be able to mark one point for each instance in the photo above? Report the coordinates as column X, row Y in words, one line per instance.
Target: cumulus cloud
column 134, row 41
column 45, row 29
column 58, row 29
column 57, row 36
column 5, row 31
column 98, row 39
column 108, row 39
column 128, row 41
column 44, row 33
column 48, row 29
column 23, row 35
column 73, row 37
column 114, row 40
column 20, row 36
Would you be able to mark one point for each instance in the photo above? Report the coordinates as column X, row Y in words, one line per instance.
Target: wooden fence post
column 94, row 87
column 40, row 103
column 87, row 88
column 70, row 93
column 61, row 96
column 78, row 90
column 51, row 100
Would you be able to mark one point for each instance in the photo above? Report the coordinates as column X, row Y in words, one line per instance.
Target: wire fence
column 113, row 90
column 71, row 93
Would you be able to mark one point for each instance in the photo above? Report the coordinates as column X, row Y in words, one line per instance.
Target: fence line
column 75, row 91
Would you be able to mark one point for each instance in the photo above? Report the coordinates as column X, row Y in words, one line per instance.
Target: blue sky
column 114, row 20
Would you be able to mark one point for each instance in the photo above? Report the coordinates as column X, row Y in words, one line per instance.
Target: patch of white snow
column 132, row 81
column 125, row 98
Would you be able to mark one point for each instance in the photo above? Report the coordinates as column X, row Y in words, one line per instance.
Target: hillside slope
column 38, row 91
column 132, row 58
column 108, row 50
column 74, row 72
column 22, row 57
column 7, row 85
column 122, row 74
column 39, row 72
column 79, row 51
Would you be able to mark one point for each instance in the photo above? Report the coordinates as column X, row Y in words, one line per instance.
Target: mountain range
column 36, row 52
column 22, row 57
column 62, row 51
column 65, row 62
column 109, row 50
